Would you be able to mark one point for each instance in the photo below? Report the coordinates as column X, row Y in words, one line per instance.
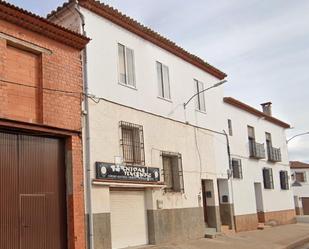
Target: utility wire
column 42, row 88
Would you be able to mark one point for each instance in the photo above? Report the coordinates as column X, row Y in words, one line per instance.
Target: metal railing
column 274, row 154
column 256, row 150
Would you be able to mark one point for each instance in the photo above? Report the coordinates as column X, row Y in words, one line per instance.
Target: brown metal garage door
column 305, row 201
column 32, row 192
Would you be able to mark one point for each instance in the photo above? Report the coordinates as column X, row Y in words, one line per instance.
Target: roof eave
column 250, row 109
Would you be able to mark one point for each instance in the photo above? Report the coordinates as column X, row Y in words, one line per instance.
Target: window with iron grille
column 237, row 168
column 200, row 99
column 126, row 65
column 132, row 143
column 172, row 171
column 268, row 178
column 229, row 123
column 284, row 180
column 300, row 176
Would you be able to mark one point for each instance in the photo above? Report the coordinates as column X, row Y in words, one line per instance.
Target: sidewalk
column 281, row 237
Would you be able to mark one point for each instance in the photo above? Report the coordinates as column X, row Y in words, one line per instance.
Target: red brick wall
column 62, row 70
column 22, row 102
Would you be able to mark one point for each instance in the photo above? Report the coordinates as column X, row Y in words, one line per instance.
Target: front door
column 32, row 192
column 204, row 200
column 305, row 202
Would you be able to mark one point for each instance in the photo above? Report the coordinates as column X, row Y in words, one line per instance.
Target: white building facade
column 300, row 186
column 262, row 179
column 159, row 169
column 156, row 166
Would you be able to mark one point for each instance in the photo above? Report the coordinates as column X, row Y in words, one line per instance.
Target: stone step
column 211, row 233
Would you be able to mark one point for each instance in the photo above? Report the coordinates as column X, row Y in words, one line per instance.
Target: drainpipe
column 87, row 163
column 230, row 175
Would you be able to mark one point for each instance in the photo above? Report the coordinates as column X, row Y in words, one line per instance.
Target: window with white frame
column 268, row 178
column 284, row 180
column 126, row 65
column 200, row 98
column 163, row 81
column 237, row 168
column 172, row 171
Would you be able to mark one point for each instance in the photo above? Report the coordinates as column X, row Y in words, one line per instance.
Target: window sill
column 238, row 179
column 168, row 100
column 128, row 86
column 203, row 112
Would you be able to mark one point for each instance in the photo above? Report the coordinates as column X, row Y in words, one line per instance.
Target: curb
column 298, row 243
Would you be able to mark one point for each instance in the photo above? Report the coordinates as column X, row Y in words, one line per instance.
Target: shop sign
column 126, row 172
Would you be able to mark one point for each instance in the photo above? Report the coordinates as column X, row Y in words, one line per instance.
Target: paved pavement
column 280, row 237
column 303, row 219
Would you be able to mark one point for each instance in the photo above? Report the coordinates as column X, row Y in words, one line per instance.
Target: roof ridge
column 129, row 23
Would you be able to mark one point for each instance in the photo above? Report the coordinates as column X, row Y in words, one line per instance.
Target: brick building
column 41, row 172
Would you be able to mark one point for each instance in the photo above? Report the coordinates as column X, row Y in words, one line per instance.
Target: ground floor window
column 237, row 168
column 284, row 180
column 268, row 178
column 172, row 172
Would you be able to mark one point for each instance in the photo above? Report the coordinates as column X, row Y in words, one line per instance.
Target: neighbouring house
column 261, row 173
column 300, row 186
column 41, row 171
column 156, row 141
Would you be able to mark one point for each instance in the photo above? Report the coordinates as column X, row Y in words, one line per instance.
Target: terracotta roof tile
column 299, row 165
column 31, row 21
column 146, row 33
column 247, row 108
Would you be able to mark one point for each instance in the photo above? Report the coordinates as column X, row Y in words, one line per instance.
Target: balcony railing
column 257, row 150
column 274, row 154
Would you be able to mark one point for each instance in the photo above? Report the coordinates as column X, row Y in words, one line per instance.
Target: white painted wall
column 244, row 194
column 160, row 134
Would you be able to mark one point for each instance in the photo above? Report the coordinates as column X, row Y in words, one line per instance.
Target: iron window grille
column 268, row 178
column 284, row 180
column 132, row 143
column 237, row 169
column 256, row 150
column 172, row 172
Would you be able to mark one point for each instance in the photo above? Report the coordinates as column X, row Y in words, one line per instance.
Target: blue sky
column 262, row 45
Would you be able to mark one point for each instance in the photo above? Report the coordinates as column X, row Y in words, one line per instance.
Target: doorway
column 259, row 201
column 32, row 192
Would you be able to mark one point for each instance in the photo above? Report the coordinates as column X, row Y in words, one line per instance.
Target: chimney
column 267, row 108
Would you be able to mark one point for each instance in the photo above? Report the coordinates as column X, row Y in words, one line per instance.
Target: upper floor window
column 163, row 81
column 274, row 154
column 300, row 176
column 132, row 143
column 268, row 178
column 229, row 123
column 126, row 65
column 200, row 99
column 284, row 180
column 251, row 133
column 172, row 171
